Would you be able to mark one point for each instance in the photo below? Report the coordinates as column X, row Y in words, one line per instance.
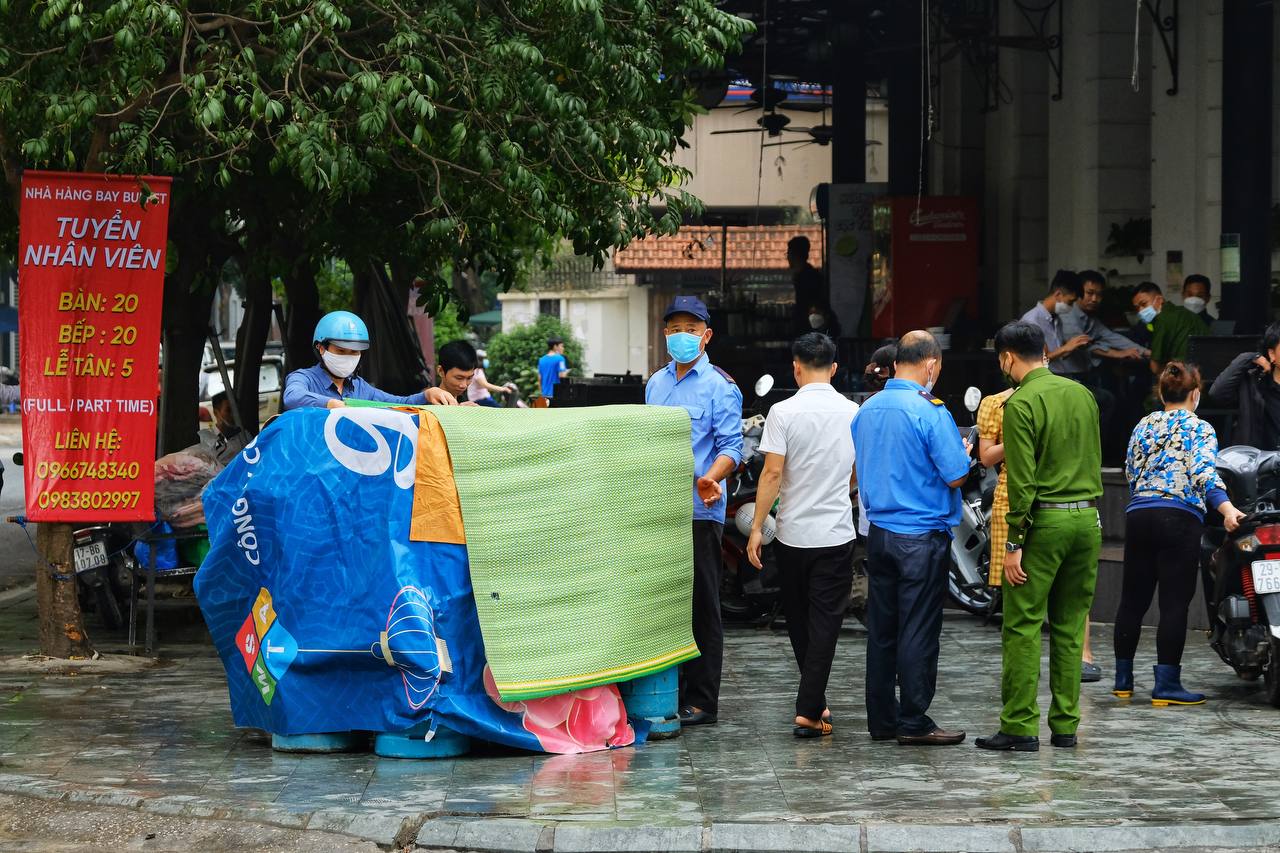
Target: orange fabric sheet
column 437, row 512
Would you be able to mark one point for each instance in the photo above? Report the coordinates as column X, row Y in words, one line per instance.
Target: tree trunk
column 251, row 341
column 62, row 633
column 301, row 315
column 467, row 287
column 188, row 299
column 186, row 329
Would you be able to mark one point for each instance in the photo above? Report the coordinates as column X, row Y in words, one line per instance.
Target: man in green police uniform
column 1171, row 325
column 1054, row 461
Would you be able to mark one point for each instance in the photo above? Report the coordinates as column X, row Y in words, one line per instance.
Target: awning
column 487, row 318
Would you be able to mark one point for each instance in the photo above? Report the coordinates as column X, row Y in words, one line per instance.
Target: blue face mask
column 1147, row 314
column 684, row 347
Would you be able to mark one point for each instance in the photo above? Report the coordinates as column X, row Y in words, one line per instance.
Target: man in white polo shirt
column 808, row 466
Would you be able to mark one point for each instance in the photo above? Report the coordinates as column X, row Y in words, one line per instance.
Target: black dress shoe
column 1063, row 741
column 884, row 735
column 694, row 717
column 1009, row 743
column 937, row 737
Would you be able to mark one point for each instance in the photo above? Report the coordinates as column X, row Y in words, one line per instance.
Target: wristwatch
column 1012, row 546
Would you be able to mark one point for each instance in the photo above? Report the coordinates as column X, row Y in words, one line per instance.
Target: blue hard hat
column 342, row 328
column 688, row 305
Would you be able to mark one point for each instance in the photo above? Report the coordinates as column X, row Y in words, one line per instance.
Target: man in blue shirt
column 552, row 367
column 339, row 339
column 714, row 404
column 910, row 462
column 1048, row 315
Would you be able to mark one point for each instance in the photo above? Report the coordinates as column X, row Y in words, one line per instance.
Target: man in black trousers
column 714, row 404
column 911, row 461
column 809, row 466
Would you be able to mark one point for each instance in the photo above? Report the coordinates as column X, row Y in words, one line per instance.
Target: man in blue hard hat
column 339, row 339
column 714, row 404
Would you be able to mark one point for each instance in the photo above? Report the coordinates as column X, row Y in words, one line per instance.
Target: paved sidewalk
column 160, row 742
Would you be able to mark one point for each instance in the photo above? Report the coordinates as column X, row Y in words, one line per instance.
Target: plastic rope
column 21, row 521
column 53, row 571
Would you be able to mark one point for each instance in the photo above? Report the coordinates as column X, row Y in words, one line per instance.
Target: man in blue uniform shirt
column 339, row 339
column 714, row 404
column 910, row 462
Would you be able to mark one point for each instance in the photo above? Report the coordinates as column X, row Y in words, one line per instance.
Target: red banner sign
column 91, row 252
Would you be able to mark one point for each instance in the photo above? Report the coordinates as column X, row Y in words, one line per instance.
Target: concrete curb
column 435, row 831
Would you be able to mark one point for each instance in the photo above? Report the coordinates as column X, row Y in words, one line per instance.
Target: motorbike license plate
column 91, row 556
column 1266, row 576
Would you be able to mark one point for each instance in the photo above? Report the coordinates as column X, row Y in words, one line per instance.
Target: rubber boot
column 1168, row 689
column 1124, row 678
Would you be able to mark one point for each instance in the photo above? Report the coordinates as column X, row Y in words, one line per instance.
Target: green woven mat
column 579, row 536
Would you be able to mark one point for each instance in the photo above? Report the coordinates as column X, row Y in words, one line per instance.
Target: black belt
column 1070, row 505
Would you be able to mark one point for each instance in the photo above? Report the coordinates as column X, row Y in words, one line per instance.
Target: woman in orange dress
column 991, row 453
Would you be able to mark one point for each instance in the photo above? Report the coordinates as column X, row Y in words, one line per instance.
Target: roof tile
column 697, row 247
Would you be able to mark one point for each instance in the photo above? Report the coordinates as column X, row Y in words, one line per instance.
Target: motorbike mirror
column 972, row 398
column 764, row 385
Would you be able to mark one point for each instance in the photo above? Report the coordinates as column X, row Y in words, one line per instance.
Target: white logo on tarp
column 374, row 463
column 247, row 537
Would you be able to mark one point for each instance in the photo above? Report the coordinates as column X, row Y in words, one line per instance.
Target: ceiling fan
column 819, row 134
column 771, row 123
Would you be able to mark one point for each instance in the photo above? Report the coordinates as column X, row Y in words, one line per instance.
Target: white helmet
column 746, row 515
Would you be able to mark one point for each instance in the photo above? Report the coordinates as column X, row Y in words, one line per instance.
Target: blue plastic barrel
column 321, row 742
column 656, row 698
column 413, row 743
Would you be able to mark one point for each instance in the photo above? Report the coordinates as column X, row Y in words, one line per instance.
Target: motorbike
column 102, row 555
column 105, row 566
column 971, row 538
column 1242, row 570
column 748, row 594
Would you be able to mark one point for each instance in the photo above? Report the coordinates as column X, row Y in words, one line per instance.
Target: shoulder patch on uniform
column 727, row 377
column 929, row 396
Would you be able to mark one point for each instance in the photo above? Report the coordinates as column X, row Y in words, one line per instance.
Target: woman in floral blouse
column 1170, row 467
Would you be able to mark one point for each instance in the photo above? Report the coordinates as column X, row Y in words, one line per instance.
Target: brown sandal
column 823, row 729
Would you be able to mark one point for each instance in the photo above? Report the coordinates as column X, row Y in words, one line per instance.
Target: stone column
column 1099, row 139
column 1186, row 148
column 1247, row 115
column 1016, row 178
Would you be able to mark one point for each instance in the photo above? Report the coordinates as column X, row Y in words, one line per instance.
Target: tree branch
column 12, row 171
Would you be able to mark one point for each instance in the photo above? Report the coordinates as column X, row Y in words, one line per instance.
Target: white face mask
column 815, row 321
column 340, row 366
column 1195, row 401
column 1194, row 304
column 1061, row 309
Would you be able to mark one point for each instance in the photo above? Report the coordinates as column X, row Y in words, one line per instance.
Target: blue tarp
column 328, row 619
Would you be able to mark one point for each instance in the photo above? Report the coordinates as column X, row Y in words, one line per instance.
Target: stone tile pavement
column 161, row 741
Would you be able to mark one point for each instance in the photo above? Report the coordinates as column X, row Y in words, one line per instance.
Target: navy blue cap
column 688, row 305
